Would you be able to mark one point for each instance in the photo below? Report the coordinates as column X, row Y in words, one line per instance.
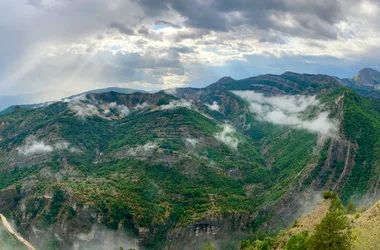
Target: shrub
column 328, row 194
column 332, row 233
column 351, row 207
column 297, row 241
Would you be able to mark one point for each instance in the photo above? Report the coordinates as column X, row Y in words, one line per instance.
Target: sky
column 78, row 45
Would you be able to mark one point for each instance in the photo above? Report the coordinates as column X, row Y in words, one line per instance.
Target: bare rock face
column 210, row 229
column 368, row 77
column 366, row 82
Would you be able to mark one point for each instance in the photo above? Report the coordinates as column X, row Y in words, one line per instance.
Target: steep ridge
column 287, row 83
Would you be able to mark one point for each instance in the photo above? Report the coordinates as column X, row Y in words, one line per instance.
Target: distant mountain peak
column 290, row 73
column 368, row 77
column 368, row 70
column 225, row 79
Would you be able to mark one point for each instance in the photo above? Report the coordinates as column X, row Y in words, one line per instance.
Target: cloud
column 191, row 141
column 124, row 110
column 296, row 103
column 183, row 50
column 83, row 107
column 97, row 239
column 122, row 28
column 35, row 3
column 61, row 145
column 33, row 146
column 320, row 124
column 227, row 136
column 214, row 106
column 289, row 111
column 166, row 23
column 142, row 150
column 300, row 18
column 182, row 103
column 83, row 110
column 96, row 45
column 141, row 106
column 75, row 98
column 172, row 91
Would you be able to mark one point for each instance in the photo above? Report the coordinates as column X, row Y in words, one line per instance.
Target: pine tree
column 297, row 241
column 332, row 233
column 351, row 207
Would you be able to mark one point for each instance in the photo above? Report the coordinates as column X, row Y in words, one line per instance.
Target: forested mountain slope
column 182, row 167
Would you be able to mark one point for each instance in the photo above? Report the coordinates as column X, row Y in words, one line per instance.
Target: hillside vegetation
column 179, row 168
column 328, row 226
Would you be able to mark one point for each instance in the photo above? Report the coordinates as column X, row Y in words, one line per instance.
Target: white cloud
column 83, row 110
column 191, row 141
column 61, row 145
column 142, row 150
column 290, row 103
column 141, row 106
column 172, row 91
column 182, row 103
column 227, row 136
column 33, row 147
column 288, row 111
column 124, row 110
column 78, row 97
column 214, row 106
column 83, row 107
column 112, row 105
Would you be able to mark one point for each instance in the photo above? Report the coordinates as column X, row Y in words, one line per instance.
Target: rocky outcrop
column 210, row 229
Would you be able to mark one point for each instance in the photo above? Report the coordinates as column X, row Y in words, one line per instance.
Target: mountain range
column 178, row 168
column 40, row 99
column 366, row 83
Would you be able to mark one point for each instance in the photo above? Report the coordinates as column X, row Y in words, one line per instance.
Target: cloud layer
column 214, row 106
column 289, row 111
column 81, row 45
column 142, row 150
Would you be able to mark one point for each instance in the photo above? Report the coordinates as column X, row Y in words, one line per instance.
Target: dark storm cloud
column 149, row 33
column 122, row 28
column 313, row 19
column 199, row 15
column 144, row 30
column 191, row 34
column 166, row 23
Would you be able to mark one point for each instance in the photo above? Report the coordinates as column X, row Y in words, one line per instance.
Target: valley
column 184, row 167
